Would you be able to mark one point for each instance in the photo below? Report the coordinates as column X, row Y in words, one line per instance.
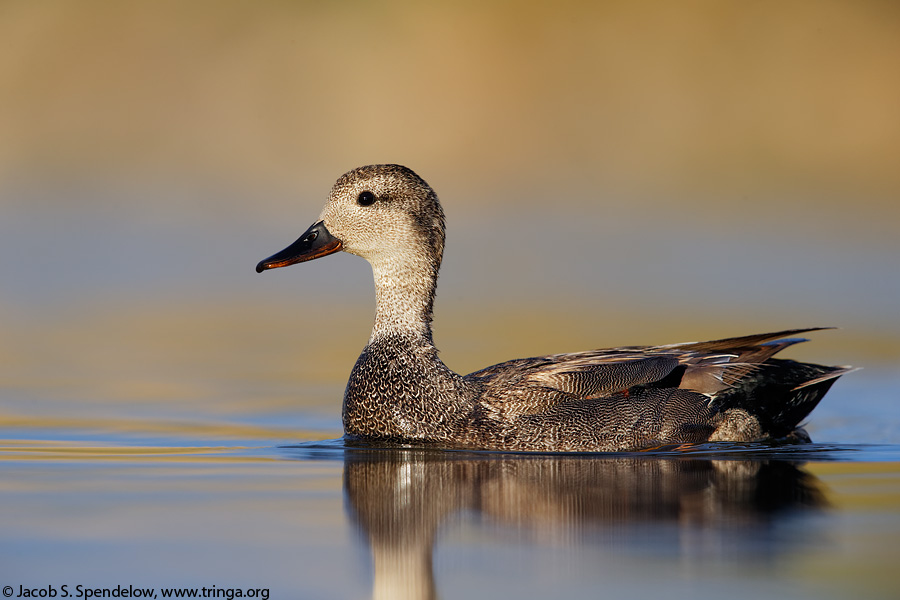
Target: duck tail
column 781, row 393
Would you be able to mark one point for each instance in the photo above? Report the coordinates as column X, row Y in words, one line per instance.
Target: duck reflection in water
column 400, row 499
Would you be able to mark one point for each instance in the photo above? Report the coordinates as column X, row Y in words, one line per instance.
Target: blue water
column 170, row 419
column 316, row 518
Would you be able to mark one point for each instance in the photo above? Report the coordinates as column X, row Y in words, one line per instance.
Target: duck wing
column 639, row 397
column 707, row 368
column 583, row 374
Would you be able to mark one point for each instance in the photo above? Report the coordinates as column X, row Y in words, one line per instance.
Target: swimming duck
column 616, row 399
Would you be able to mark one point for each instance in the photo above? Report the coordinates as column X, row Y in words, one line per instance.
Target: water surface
column 170, row 419
column 298, row 513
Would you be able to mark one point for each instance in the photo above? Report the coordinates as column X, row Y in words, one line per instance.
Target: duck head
column 384, row 213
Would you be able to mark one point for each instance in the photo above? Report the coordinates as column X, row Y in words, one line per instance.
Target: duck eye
column 366, row 198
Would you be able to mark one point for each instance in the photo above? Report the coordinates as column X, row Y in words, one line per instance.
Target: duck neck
column 404, row 298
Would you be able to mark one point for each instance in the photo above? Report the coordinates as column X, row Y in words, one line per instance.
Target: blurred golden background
column 613, row 173
column 699, row 101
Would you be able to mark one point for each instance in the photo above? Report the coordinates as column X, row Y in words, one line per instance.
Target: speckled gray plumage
column 600, row 400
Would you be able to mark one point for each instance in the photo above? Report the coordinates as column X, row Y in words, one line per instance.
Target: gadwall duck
column 617, row 399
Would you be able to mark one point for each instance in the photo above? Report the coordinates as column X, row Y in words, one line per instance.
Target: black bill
column 314, row 243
